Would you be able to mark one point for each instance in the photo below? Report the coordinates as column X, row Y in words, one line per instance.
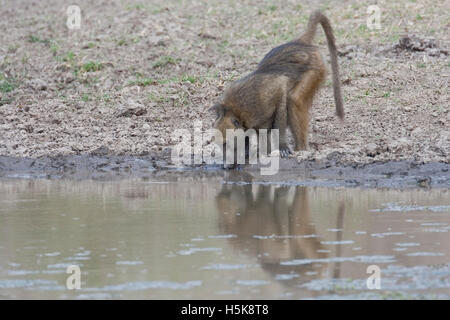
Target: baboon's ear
column 218, row 108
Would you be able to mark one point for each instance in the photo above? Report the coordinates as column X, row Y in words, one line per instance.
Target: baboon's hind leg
column 298, row 121
column 301, row 99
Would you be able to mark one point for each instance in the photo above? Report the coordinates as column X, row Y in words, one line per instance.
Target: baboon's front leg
column 280, row 123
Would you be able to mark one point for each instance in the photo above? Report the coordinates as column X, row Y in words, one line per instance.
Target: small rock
column 37, row 84
column 424, row 182
column 128, row 112
column 400, row 144
column 63, row 67
column 205, row 35
column 304, row 155
column 371, row 149
column 77, row 147
column 101, row 151
column 68, row 77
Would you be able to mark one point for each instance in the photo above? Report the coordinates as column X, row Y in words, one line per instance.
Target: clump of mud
column 414, row 43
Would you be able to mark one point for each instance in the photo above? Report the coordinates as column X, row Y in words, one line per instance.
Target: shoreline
column 326, row 173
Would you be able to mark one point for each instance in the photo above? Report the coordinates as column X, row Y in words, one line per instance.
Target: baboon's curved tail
column 307, row 37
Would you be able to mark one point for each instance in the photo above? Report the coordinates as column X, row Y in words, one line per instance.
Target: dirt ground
column 136, row 70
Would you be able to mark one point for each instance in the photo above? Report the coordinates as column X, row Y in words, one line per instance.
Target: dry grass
column 61, row 90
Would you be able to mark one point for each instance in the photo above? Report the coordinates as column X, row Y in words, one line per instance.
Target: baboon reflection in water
column 274, row 224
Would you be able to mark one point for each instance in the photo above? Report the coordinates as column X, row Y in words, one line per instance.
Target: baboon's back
column 291, row 59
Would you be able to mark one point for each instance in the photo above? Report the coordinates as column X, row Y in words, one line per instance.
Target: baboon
column 283, row 212
column 280, row 91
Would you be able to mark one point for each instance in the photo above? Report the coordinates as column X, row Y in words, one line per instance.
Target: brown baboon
column 283, row 215
column 280, row 91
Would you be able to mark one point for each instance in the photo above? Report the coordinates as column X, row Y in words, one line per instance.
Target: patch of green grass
column 54, row 47
column 157, row 11
column 387, row 94
column 419, row 17
column 12, row 48
column 121, row 42
column 273, row 8
column 191, row 79
column 106, row 98
column 137, row 6
column 168, row 80
column 25, row 58
column 143, row 82
column 69, row 57
column 164, row 61
column 153, row 97
column 6, row 85
column 32, row 38
column 421, row 65
column 92, row 66
column 223, row 45
column 7, row 100
column 184, row 78
column 363, row 30
column 35, row 39
column 85, row 97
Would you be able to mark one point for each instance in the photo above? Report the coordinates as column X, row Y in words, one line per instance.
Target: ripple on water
column 396, row 207
column 145, row 285
column 407, row 244
column 24, row 283
column 130, row 263
column 94, row 296
column 385, row 234
column 337, row 242
column 359, row 259
column 77, row 258
column 425, row 254
column 195, row 250
column 252, row 282
column 223, row 236
column 21, row 272
column 224, row 266
column 61, row 265
column 274, row 236
column 84, row 253
column 52, row 254
column 286, row 276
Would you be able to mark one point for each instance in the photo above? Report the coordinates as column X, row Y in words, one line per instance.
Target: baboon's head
column 225, row 119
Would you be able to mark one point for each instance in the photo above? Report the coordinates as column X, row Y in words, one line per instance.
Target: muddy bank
column 400, row 174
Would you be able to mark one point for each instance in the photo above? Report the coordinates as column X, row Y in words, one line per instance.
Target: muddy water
column 202, row 238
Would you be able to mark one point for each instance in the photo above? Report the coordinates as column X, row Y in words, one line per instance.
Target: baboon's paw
column 285, row 152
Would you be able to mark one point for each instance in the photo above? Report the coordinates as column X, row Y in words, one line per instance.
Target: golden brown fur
column 281, row 211
column 280, row 91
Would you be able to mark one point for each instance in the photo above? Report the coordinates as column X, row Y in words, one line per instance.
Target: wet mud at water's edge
column 328, row 172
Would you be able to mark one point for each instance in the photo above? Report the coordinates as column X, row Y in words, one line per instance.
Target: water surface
column 201, row 238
